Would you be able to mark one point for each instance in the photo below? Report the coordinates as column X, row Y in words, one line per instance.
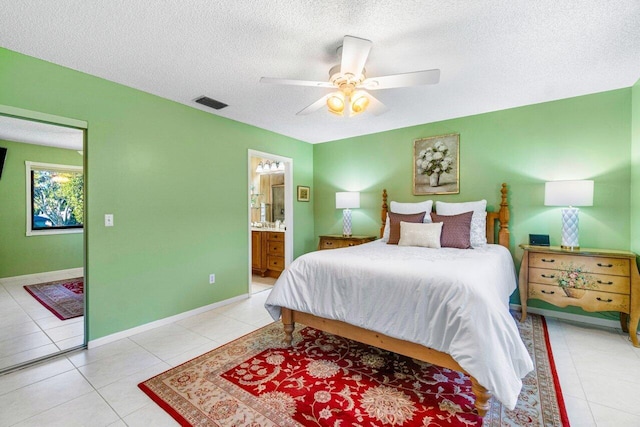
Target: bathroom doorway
column 270, row 218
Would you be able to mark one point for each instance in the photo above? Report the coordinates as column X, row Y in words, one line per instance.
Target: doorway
column 42, row 258
column 270, row 218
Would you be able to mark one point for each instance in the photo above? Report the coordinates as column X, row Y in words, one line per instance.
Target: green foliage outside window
column 58, row 200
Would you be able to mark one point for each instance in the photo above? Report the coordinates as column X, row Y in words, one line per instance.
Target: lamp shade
column 568, row 193
column 347, row 200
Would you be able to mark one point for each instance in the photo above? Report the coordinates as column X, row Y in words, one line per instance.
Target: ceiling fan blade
column 416, row 78
column 314, row 107
column 375, row 106
column 277, row 81
column 355, row 52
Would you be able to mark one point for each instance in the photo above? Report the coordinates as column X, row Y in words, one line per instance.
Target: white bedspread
column 452, row 300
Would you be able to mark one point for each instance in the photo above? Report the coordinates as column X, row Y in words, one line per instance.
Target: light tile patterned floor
column 598, row 370
column 28, row 329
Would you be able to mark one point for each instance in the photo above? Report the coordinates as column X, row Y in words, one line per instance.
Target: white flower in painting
column 442, row 148
column 444, row 165
column 438, row 145
column 419, row 161
column 430, row 150
column 438, row 156
column 422, row 153
column 436, row 170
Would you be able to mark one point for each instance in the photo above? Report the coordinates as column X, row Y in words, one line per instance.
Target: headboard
column 501, row 216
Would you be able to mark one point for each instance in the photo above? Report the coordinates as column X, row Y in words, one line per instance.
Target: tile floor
column 259, row 284
column 598, row 369
column 28, row 330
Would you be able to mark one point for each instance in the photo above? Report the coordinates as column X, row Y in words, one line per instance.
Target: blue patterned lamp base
column 570, row 228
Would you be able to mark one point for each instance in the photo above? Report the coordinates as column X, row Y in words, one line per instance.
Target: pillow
column 455, row 230
column 478, row 222
column 425, row 235
column 407, row 208
column 394, row 227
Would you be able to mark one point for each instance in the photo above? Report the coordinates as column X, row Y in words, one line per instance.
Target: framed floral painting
column 436, row 165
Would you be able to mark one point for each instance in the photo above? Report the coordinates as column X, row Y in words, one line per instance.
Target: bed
column 447, row 306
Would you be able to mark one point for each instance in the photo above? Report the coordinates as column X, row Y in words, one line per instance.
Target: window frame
column 30, row 166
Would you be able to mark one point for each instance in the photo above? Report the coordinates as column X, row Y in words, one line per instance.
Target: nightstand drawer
column 601, row 265
column 601, row 282
column 335, row 242
column 587, row 300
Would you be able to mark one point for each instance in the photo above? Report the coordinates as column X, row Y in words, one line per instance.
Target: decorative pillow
column 407, row 208
column 478, row 222
column 394, row 226
column 455, row 230
column 425, row 235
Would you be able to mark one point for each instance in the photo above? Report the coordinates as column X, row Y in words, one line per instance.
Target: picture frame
column 304, row 193
column 436, row 165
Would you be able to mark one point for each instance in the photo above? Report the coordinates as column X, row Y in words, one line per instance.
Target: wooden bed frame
column 406, row 348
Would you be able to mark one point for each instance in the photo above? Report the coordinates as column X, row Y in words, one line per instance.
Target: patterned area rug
column 64, row 298
column 324, row 380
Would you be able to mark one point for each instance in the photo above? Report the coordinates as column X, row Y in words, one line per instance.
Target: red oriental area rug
column 64, row 298
column 325, row 380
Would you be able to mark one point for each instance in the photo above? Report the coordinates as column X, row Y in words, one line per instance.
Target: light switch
column 108, row 220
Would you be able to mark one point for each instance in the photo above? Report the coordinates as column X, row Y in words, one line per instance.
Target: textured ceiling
column 493, row 54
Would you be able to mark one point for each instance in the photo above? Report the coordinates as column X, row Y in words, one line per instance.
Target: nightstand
column 334, row 241
column 612, row 277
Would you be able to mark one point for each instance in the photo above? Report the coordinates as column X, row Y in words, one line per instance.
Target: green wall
column 586, row 137
column 635, row 168
column 34, row 254
column 175, row 179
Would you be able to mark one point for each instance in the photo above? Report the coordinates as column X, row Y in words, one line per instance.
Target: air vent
column 211, row 103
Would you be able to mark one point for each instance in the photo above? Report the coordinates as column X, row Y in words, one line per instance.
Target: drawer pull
column 548, row 292
column 604, row 300
column 548, row 260
column 328, row 243
column 600, row 282
column 605, row 265
column 351, row 244
column 551, row 276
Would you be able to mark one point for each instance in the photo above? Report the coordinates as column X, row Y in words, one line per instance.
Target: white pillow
column 408, row 208
column 417, row 234
column 478, row 220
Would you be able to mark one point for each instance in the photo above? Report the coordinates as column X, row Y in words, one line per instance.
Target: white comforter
column 452, row 300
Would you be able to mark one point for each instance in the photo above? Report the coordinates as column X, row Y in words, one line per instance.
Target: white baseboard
column 46, row 276
column 570, row 316
column 161, row 322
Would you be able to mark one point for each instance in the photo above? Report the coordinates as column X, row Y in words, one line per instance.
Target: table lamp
column 571, row 194
column 347, row 200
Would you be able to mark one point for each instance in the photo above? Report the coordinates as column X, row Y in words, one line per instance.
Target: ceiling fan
column 350, row 80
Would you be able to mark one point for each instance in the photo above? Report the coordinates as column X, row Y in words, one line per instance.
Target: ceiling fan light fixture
column 359, row 102
column 336, row 103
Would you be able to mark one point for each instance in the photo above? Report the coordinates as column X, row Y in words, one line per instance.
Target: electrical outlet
column 212, row 278
column 108, row 220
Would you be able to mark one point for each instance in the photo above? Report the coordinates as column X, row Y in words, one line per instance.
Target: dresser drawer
column 587, row 300
column 601, row 282
column 275, row 248
column 274, row 236
column 600, row 265
column 275, row 263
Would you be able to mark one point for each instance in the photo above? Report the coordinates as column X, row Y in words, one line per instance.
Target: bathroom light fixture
column 260, row 168
column 347, row 200
column 569, row 193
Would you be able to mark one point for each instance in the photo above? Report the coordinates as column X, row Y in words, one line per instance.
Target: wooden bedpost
column 383, row 214
column 482, row 397
column 503, row 216
column 289, row 325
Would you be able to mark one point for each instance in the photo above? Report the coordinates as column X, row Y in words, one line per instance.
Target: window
column 55, row 199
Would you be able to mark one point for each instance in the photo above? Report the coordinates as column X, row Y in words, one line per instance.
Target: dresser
column 607, row 280
column 334, row 241
column 267, row 252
